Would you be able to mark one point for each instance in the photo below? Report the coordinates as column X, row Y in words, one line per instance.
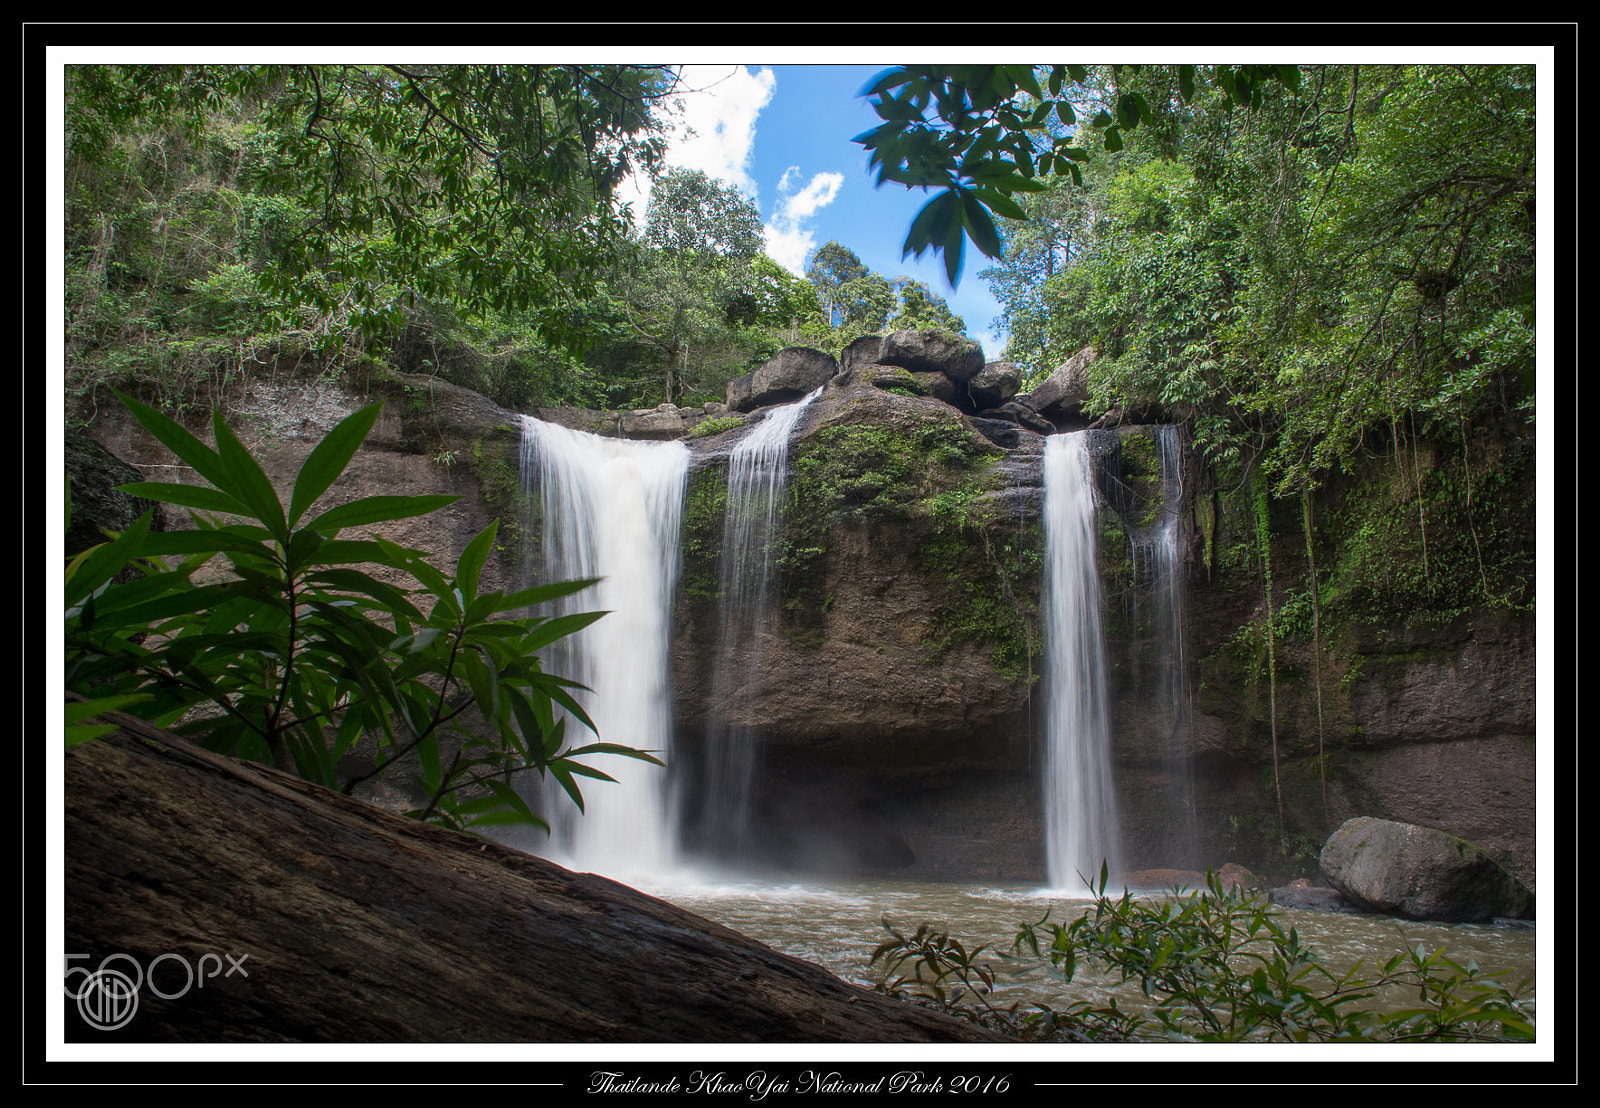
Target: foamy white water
column 1079, row 800
column 611, row 509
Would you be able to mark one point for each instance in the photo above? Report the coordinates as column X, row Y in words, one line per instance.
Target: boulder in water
column 1418, row 873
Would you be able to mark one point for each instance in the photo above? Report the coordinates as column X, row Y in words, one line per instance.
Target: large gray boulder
column 788, row 375
column 1062, row 394
column 957, row 357
column 1401, row 869
column 994, row 384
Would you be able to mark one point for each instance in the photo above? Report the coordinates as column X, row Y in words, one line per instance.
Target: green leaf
column 979, row 224
column 543, row 594
column 329, row 459
column 484, row 680
column 470, row 564
column 884, row 80
column 78, row 713
column 204, row 497
column 613, row 748
column 557, row 627
column 1024, row 79
column 190, row 450
column 248, row 481
column 377, row 509
column 1001, row 204
column 933, row 223
column 563, row 775
column 106, row 560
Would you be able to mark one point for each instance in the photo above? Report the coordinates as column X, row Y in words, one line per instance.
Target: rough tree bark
column 356, row 925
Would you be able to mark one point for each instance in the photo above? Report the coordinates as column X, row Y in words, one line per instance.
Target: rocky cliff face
column 901, row 689
column 896, row 685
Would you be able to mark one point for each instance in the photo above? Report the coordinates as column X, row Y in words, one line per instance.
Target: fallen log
column 248, row 905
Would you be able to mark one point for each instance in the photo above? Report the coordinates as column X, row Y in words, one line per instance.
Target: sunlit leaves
column 488, row 187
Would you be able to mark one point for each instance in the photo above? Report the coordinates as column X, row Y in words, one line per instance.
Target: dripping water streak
column 1171, row 600
column 1080, row 806
column 611, row 509
column 1162, row 723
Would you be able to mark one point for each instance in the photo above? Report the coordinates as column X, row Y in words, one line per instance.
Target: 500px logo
column 108, row 998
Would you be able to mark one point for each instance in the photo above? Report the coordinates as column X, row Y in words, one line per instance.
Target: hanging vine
column 1272, row 659
column 1316, row 643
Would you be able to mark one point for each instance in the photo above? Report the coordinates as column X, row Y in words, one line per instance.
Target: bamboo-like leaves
column 329, row 459
column 304, row 650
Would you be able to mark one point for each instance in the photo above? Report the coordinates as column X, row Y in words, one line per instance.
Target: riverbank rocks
column 788, row 375
column 1310, row 898
column 98, row 505
column 1418, row 873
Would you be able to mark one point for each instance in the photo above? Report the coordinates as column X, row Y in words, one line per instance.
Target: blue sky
column 781, row 135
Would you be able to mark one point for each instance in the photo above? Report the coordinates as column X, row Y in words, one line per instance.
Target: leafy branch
column 996, row 131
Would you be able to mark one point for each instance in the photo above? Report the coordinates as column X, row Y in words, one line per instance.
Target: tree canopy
column 990, row 136
column 487, row 186
column 1355, row 249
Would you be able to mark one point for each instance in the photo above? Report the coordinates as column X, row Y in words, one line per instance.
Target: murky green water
column 837, row 925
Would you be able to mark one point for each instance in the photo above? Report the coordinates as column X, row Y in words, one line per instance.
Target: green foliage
column 1357, row 247
column 460, row 215
column 298, row 650
column 1433, row 537
column 933, row 968
column 697, row 303
column 996, row 131
column 715, row 426
column 1212, row 966
column 855, row 301
column 1219, row 967
column 980, row 574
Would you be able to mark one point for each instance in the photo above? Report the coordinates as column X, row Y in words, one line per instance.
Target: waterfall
column 1080, row 806
column 1167, row 719
column 752, row 521
column 611, row 509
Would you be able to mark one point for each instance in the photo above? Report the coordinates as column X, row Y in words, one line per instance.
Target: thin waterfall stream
column 757, row 473
column 1160, row 590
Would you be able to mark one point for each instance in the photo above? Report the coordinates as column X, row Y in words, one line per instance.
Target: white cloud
column 714, row 130
column 788, row 242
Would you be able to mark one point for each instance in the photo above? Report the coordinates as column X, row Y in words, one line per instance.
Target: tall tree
column 922, row 309
column 695, row 286
column 833, row 266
